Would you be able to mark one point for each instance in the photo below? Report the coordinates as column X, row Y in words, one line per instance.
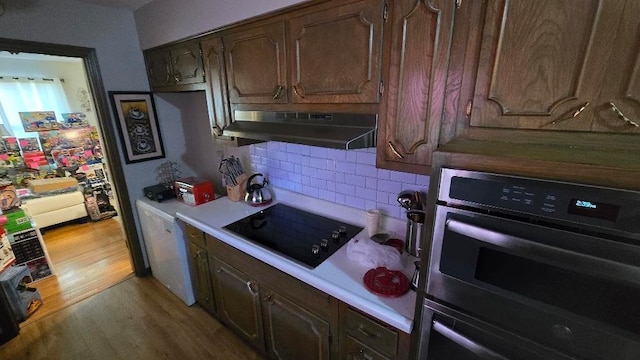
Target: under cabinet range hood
column 331, row 130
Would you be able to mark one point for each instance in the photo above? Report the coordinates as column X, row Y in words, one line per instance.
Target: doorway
column 97, row 97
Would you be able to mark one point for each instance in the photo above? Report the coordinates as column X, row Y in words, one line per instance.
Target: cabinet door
column 336, row 54
column 238, row 302
column 256, row 65
column 621, row 87
column 159, row 68
column 292, row 332
column 542, row 61
column 186, row 63
column 200, row 277
column 217, row 96
column 420, row 45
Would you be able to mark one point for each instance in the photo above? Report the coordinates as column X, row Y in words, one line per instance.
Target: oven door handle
column 561, row 257
column 477, row 349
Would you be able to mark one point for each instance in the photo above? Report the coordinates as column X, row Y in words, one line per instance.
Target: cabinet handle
column 458, row 4
column 393, row 148
column 299, row 93
column 360, row 355
column 278, row 92
column 366, row 333
column 250, row 288
column 217, row 130
column 621, row 116
column 575, row 114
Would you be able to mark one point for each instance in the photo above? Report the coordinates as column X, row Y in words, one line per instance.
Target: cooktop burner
column 297, row 234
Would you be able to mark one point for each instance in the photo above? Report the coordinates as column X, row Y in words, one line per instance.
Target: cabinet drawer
column 194, row 235
column 359, row 351
column 371, row 333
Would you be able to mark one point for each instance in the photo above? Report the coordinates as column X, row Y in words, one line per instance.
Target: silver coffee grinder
column 412, row 202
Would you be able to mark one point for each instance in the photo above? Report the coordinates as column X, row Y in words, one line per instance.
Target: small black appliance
column 159, row 192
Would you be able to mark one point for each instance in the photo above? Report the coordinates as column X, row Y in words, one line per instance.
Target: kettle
column 258, row 194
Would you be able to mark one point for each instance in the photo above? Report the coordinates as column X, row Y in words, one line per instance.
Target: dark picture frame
column 137, row 125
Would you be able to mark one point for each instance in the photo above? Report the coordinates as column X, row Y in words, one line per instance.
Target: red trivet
column 385, row 282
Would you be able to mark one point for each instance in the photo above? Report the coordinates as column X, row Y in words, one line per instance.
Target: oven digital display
column 593, row 209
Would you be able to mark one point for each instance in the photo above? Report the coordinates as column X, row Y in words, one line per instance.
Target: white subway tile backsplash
column 356, row 180
column 371, row 183
column 345, row 189
column 327, row 195
column 382, row 197
column 355, row 202
column 366, row 194
column 389, row 186
column 286, row 166
column 347, row 177
column 319, row 183
column 403, row 177
column 366, row 158
column 318, row 163
column 346, row 167
column 310, row 191
column 318, row 152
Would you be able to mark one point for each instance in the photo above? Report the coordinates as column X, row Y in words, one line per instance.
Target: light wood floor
column 135, row 319
column 87, row 258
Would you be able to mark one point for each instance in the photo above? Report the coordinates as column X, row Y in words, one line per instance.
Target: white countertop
column 337, row 276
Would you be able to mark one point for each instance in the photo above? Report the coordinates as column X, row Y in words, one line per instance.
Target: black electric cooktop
column 297, row 234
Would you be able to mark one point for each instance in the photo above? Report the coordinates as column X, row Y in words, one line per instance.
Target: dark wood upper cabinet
column 420, row 41
column 327, row 54
column 621, row 85
column 542, row 64
column 256, row 64
column 217, row 96
column 176, row 68
column 335, row 54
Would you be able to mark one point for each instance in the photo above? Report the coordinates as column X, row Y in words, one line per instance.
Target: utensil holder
column 237, row 192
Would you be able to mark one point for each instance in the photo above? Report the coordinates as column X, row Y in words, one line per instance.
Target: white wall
column 164, row 21
column 112, row 32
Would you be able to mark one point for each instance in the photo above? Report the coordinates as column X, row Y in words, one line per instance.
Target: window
column 22, row 94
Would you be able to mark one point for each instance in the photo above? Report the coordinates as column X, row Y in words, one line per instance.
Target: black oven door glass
column 480, row 256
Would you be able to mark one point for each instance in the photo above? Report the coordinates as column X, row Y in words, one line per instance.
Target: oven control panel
column 577, row 203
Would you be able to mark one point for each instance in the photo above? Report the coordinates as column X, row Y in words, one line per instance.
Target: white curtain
column 20, row 94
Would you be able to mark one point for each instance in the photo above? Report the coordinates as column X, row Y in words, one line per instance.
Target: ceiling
column 121, row 4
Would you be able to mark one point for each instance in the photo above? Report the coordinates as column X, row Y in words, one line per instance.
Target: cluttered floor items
column 23, row 259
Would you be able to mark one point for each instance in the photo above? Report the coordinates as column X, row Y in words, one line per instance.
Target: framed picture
column 136, row 119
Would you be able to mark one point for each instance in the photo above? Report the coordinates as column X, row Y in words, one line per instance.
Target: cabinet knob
column 298, row 90
column 177, row 76
column 278, row 91
column 622, row 116
column 574, row 115
column 366, row 333
column 250, row 288
column 393, row 149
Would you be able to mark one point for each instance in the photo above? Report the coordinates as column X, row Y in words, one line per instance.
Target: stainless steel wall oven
column 549, row 268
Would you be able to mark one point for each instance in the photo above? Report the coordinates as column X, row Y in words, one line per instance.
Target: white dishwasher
column 166, row 248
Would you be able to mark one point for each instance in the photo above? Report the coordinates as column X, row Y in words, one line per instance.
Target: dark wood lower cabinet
column 238, row 300
column 283, row 317
column 293, row 332
column 199, row 269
